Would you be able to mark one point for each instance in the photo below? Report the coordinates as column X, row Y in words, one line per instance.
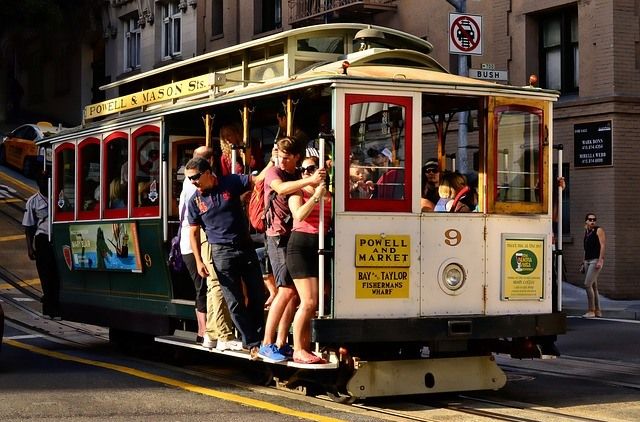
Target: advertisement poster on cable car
column 522, row 268
column 105, row 247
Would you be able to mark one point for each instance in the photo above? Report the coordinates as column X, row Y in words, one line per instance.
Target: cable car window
column 146, row 168
column 64, row 182
column 89, row 179
column 181, row 153
column 116, row 181
column 378, row 169
column 519, row 161
column 333, row 45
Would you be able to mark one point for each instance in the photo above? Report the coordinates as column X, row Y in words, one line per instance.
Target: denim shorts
column 277, row 251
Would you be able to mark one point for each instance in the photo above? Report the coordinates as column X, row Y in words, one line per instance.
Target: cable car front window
column 379, row 153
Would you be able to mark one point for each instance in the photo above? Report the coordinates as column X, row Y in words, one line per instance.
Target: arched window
column 88, row 203
column 64, row 182
column 115, row 166
column 145, row 189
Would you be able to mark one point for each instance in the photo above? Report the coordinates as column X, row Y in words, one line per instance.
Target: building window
column 268, row 15
column 132, row 35
column 217, row 20
column 559, row 51
column 171, row 17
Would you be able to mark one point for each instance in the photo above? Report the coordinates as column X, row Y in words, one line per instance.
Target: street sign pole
column 463, row 70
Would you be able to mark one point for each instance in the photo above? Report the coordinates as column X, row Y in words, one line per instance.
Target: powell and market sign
column 592, row 144
column 170, row 91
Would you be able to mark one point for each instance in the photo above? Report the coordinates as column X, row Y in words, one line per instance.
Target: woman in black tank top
column 594, row 246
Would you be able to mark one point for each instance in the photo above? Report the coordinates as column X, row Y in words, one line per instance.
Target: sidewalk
column 574, row 303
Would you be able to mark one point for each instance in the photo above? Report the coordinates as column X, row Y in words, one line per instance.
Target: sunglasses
column 592, row 219
column 431, row 171
column 196, row 176
column 309, row 169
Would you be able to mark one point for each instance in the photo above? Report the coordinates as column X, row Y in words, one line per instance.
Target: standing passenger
column 216, row 324
column 219, row 327
column 285, row 180
column 217, row 208
column 302, row 257
column 36, row 228
column 230, row 139
column 594, row 245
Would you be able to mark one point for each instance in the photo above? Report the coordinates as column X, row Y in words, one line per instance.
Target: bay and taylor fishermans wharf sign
column 382, row 266
column 166, row 92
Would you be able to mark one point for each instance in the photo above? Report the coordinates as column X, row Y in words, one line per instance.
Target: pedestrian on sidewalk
column 594, row 247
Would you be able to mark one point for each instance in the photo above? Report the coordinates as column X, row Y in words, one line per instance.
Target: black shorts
column 199, row 283
column 302, row 255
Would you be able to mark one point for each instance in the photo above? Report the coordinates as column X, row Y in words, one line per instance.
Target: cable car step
column 183, row 341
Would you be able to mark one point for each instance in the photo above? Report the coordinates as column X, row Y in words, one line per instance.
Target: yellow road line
column 175, row 383
column 17, row 182
column 6, row 286
column 14, row 237
column 10, row 200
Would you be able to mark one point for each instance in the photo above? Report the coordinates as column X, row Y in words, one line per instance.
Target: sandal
column 307, row 358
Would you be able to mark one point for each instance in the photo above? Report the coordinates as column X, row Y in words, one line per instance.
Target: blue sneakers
column 286, row 350
column 271, row 353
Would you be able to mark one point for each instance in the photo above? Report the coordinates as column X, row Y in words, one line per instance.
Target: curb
column 613, row 313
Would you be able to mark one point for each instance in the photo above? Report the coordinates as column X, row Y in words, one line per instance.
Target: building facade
column 588, row 50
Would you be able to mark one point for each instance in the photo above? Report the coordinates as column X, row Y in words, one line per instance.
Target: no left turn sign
column 465, row 34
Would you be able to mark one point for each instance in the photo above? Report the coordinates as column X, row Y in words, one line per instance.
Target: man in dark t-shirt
column 217, row 208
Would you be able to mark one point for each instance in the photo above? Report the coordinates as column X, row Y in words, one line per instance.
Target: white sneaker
column 207, row 343
column 589, row 314
column 232, row 344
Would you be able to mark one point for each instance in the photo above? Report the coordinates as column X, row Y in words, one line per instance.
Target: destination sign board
column 166, row 92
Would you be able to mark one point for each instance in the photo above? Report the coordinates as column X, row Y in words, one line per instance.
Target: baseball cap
column 386, row 153
column 432, row 163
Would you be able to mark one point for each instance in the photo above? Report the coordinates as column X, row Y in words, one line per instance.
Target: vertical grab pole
column 289, row 115
column 559, row 262
column 321, row 239
column 50, row 203
column 207, row 129
column 246, row 141
column 321, row 224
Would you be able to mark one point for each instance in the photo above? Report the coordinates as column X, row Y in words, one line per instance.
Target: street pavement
column 574, row 303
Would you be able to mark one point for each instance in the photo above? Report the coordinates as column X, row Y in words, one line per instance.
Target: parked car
column 18, row 148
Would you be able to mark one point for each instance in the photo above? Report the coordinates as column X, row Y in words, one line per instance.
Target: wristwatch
column 316, row 200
